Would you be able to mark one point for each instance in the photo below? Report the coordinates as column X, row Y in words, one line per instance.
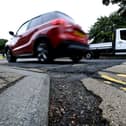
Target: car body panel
column 23, row 44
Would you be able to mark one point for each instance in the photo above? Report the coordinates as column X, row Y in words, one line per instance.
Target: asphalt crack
column 9, row 84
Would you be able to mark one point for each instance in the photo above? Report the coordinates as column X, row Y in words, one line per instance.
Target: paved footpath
column 111, row 87
column 23, row 98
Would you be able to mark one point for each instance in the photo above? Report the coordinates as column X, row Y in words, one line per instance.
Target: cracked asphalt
column 69, row 96
column 8, row 78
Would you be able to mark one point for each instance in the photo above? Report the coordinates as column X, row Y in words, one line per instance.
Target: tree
column 2, row 45
column 103, row 29
column 121, row 3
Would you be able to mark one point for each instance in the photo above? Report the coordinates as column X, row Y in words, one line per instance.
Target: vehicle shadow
column 55, row 62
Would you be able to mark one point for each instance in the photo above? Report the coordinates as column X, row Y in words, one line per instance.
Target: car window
column 36, row 21
column 47, row 17
column 64, row 16
column 23, row 28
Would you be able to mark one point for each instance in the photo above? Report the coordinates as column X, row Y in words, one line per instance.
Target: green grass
column 1, row 57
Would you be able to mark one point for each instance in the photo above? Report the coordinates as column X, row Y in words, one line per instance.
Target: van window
column 123, row 34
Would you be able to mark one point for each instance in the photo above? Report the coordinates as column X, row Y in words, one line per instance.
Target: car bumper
column 81, row 48
column 73, row 45
column 68, row 48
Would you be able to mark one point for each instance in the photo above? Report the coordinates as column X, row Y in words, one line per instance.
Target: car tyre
column 9, row 56
column 43, row 52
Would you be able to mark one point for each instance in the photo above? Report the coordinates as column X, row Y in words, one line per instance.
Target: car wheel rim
column 42, row 52
column 88, row 56
column 8, row 55
column 42, row 57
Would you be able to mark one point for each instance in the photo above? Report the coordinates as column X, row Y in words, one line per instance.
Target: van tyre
column 76, row 59
column 89, row 55
column 96, row 56
column 9, row 56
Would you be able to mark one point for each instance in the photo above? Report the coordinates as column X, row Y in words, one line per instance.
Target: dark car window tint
column 43, row 19
column 47, row 17
column 23, row 28
column 36, row 21
column 64, row 16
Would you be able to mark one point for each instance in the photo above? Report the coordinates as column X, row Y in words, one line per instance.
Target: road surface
column 72, row 100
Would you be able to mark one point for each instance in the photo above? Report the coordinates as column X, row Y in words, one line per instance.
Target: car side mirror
column 11, row 33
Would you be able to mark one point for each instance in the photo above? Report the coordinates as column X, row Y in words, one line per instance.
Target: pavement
column 110, row 85
column 24, row 97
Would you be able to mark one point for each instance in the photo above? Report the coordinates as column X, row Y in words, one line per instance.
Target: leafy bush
column 2, row 44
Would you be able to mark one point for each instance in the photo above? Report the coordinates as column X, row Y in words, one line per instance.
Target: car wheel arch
column 9, row 56
column 6, row 48
column 39, row 39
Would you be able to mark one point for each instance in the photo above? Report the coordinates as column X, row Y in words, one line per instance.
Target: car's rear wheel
column 76, row 59
column 43, row 52
column 9, row 56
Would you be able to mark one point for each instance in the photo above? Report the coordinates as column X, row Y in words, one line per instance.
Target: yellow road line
column 113, row 79
column 107, row 82
column 121, row 75
column 122, row 88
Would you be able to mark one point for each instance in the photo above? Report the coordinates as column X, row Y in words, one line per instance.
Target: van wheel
column 96, row 56
column 76, row 59
column 9, row 56
column 43, row 52
column 89, row 55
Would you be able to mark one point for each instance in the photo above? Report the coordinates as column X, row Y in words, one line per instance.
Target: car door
column 21, row 39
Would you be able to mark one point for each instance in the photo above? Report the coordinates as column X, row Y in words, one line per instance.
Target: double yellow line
column 113, row 79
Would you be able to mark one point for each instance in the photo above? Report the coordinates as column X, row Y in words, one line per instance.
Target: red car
column 48, row 36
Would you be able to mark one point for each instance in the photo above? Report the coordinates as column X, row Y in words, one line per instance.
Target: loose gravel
column 71, row 104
